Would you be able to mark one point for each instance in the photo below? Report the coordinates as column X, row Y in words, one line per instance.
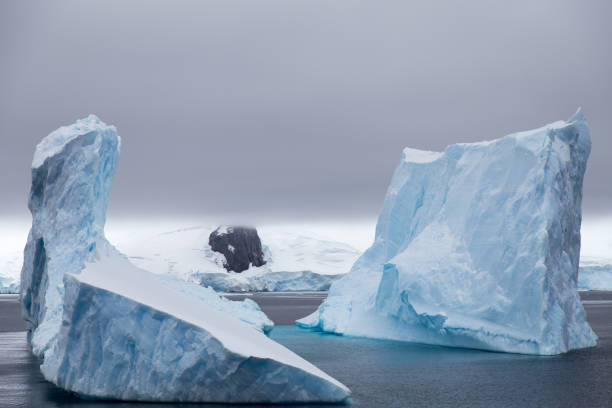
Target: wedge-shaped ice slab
column 476, row 246
column 107, row 329
column 127, row 336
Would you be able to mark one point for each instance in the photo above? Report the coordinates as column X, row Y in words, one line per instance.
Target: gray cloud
column 294, row 108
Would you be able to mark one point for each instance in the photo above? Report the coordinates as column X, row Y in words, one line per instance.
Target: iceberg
column 107, row 329
column 476, row 246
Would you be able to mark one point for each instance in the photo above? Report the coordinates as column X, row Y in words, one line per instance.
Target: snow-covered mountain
column 298, row 257
column 300, row 260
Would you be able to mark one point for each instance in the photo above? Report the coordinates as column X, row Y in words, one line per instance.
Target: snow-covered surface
column 224, row 229
column 478, row 248
column 57, row 140
column 420, row 156
column 108, row 329
column 247, row 310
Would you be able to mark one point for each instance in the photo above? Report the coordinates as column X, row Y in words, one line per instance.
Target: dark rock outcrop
column 241, row 247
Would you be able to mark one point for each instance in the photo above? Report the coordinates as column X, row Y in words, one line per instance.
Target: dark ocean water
column 383, row 373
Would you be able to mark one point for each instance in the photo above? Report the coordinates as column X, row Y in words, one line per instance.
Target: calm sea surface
column 380, row 373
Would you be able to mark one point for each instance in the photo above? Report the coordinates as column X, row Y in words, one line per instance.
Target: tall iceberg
column 109, row 330
column 477, row 247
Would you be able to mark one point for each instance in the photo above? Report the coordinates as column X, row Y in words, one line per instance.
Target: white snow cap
column 420, row 156
column 56, row 140
column 224, row 229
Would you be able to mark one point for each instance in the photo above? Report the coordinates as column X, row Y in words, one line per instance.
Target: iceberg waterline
column 108, row 329
column 477, row 246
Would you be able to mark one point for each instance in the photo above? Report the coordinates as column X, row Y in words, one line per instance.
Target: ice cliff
column 108, row 329
column 294, row 281
column 477, row 246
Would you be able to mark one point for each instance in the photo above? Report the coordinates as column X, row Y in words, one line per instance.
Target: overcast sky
column 294, row 108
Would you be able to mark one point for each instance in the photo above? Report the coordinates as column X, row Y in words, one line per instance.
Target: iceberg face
column 477, row 246
column 301, row 281
column 110, row 330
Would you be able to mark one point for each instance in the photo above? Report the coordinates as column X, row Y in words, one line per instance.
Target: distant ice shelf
column 595, row 274
column 8, row 285
column 298, row 281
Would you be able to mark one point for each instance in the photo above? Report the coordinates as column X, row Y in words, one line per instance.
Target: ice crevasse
column 476, row 246
column 107, row 329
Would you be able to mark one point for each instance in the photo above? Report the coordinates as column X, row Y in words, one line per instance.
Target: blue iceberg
column 107, row 329
column 477, row 246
